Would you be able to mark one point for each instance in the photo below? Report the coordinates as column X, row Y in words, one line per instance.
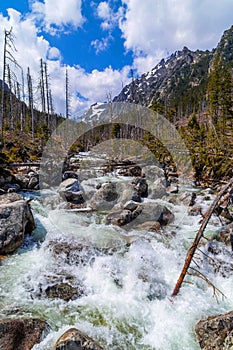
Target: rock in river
column 71, row 190
column 75, row 339
column 216, row 333
column 20, row 334
column 16, row 219
column 105, row 198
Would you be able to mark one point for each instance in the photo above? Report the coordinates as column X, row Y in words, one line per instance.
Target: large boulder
column 16, row 219
column 90, row 186
column 216, row 332
column 63, row 291
column 140, row 186
column 71, row 191
column 105, row 197
column 29, row 181
column 75, row 339
column 21, row 334
column 126, row 192
column 157, row 189
column 155, row 212
column 22, row 180
column 139, row 214
column 153, row 172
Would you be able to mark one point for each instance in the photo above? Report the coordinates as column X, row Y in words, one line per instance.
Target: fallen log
column 199, row 235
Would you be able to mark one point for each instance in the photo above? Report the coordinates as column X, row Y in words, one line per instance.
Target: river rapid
column 125, row 278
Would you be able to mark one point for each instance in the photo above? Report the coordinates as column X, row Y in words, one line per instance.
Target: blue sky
column 98, row 42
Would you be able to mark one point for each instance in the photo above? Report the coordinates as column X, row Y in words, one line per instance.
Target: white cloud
column 58, row 15
column 101, row 83
column 101, row 45
column 30, row 46
column 154, row 25
column 54, row 53
column 144, row 64
column 108, row 15
column 104, row 10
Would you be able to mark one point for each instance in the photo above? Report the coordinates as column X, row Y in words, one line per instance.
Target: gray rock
column 130, row 205
column 105, row 197
column 16, row 219
column 75, row 339
column 134, row 170
column 153, row 172
column 63, row 291
column 157, row 189
column 22, row 180
column 21, row 334
column 140, row 186
column 188, row 198
column 155, row 212
column 216, row 332
column 153, row 226
column 69, row 175
column 142, row 213
column 89, row 187
column 119, row 218
column 126, row 192
column 71, row 191
column 33, row 183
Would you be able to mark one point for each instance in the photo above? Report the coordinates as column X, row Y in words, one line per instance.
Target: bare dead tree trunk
column 11, row 121
column 30, row 96
column 42, row 90
column 199, row 235
column 6, row 34
column 67, row 96
column 8, row 57
column 47, row 94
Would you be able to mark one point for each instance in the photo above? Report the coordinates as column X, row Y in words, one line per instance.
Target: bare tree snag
column 199, row 235
column 67, row 96
column 31, row 102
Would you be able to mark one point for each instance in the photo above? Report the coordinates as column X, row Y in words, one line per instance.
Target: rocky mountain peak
column 163, row 78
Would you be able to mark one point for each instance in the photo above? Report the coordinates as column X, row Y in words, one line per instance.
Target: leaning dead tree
column 194, row 247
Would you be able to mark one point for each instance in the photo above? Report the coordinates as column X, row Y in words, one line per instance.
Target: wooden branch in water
column 198, row 237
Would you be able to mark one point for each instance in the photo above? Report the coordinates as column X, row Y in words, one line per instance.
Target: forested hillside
column 27, row 116
column 194, row 90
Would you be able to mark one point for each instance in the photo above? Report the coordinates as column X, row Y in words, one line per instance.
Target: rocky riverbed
column 92, row 264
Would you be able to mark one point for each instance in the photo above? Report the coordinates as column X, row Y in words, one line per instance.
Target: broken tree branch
column 198, row 237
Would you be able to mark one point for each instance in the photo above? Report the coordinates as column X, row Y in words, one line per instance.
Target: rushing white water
column 125, row 301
